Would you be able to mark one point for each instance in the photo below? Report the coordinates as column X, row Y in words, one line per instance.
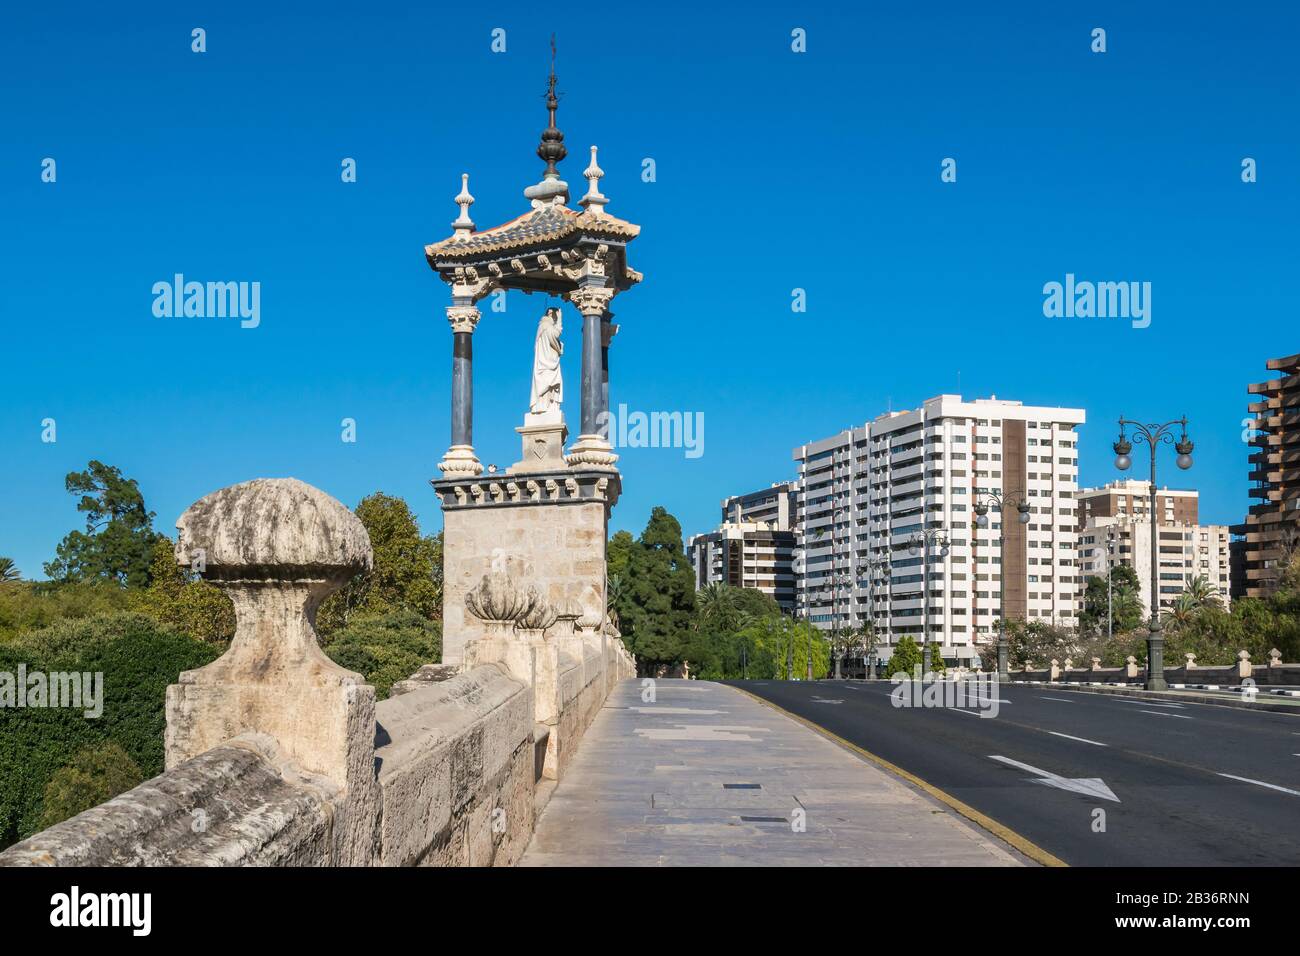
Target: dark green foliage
column 1124, row 601
column 117, row 544
column 656, row 601
column 386, row 648
column 138, row 659
column 95, row 775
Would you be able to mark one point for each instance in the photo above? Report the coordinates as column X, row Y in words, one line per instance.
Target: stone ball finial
column 497, row 598
column 275, row 528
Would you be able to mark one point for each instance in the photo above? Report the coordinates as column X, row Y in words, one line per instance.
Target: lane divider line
column 1002, row 832
column 1261, row 783
column 1083, row 740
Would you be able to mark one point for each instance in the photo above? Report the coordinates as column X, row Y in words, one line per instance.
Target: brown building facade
column 1272, row 526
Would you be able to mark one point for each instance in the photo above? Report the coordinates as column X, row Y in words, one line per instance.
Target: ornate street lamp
column 921, row 542
column 1001, row 501
column 1153, row 435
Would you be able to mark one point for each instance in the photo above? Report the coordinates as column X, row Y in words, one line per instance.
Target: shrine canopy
column 551, row 248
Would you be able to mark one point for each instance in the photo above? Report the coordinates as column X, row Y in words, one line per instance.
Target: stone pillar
column 460, row 458
column 278, row 547
column 607, row 332
column 592, row 449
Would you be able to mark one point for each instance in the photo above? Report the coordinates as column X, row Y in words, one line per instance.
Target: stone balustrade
column 1190, row 673
column 276, row 755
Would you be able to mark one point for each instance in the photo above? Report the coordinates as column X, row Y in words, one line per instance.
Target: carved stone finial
column 497, row 600
column 463, row 226
column 593, row 201
column 278, row 547
column 538, row 618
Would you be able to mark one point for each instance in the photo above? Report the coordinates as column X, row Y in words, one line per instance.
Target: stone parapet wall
column 296, row 764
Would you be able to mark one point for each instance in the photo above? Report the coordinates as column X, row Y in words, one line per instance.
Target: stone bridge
column 276, row 755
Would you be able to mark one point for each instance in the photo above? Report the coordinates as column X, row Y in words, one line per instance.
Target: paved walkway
column 708, row 776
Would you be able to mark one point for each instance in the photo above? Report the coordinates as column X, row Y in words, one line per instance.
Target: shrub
column 96, row 774
column 138, row 658
column 29, row 606
column 386, row 648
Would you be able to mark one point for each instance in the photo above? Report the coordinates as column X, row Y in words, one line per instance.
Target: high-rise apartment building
column 867, row 494
column 1187, row 549
column 1272, row 526
column 753, row 547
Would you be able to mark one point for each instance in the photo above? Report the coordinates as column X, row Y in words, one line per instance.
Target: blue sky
column 775, row 171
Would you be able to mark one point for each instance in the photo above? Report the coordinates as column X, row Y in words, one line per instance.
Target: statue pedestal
column 543, row 438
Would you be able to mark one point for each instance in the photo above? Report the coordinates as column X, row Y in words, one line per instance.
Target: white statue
column 548, row 386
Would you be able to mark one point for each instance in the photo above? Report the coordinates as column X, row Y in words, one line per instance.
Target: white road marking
column 1088, row 786
column 1061, row 699
column 1147, row 703
column 1158, row 713
column 1084, row 740
column 1261, row 783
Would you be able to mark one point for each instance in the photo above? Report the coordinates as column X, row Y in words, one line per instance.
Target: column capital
column 463, row 318
column 592, row 300
column 607, row 332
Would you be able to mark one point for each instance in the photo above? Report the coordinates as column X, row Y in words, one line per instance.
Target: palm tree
column 1201, row 592
column 1183, row 611
column 8, row 570
column 714, row 605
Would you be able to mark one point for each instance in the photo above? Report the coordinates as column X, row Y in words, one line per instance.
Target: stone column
column 460, row 458
column 607, row 332
column 592, row 449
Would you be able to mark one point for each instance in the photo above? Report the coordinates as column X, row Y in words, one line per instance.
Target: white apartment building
column 753, row 547
column 866, row 494
column 1187, row 549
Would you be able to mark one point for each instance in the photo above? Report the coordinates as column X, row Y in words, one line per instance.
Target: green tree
column 907, row 657
column 657, row 597
column 180, row 599
column 8, row 570
column 407, row 571
column 1125, row 601
column 117, row 544
column 94, row 775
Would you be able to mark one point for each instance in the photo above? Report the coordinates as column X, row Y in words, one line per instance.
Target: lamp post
column 1154, row 434
column 1110, row 600
column 922, row 541
column 1001, row 500
column 876, row 566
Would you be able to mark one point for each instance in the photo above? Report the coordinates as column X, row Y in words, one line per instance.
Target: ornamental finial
column 551, row 188
column 594, row 197
column 464, row 225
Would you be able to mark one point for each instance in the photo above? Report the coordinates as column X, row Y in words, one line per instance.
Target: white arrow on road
column 1088, row 786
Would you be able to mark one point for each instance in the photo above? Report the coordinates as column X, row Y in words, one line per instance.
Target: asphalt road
column 1193, row 784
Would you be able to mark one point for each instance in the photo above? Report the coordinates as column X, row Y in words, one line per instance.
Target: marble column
column 592, row 449
column 607, row 332
column 460, row 458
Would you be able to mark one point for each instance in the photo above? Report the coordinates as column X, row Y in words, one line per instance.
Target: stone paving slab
column 648, row 788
